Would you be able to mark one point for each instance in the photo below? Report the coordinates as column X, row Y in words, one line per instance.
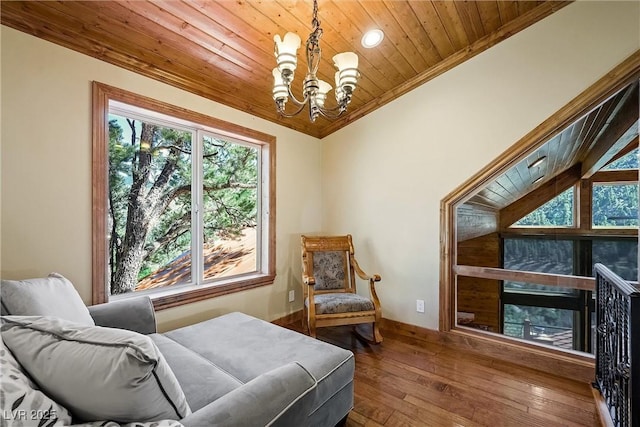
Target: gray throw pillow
column 97, row 373
column 47, row 296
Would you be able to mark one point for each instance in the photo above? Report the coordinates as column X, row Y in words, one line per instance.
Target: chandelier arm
column 295, row 100
column 332, row 113
column 289, row 115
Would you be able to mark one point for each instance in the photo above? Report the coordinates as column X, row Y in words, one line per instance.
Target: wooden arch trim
column 621, row 76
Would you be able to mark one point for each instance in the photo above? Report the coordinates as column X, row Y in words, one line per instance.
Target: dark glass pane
column 620, row 256
column 550, row 326
column 539, row 255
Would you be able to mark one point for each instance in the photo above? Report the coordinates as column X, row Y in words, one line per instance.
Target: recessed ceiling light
column 538, row 179
column 372, row 38
column 537, row 162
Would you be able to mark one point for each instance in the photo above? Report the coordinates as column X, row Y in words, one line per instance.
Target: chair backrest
column 328, row 260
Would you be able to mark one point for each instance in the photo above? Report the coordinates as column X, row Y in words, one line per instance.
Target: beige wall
column 384, row 175
column 46, row 174
column 381, row 178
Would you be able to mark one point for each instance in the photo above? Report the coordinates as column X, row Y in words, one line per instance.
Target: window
column 551, row 326
column 546, row 314
column 485, row 221
column 557, row 212
column 626, row 162
column 183, row 203
column 620, row 255
column 555, row 315
column 615, row 205
column 539, row 255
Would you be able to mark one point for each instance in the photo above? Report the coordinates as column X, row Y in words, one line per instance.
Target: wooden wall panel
column 474, row 221
column 480, row 296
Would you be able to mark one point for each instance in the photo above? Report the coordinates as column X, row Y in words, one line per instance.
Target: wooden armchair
column 329, row 286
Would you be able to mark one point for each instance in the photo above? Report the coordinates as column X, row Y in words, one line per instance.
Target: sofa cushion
column 48, row 296
column 97, row 373
column 276, row 398
column 247, row 347
column 201, row 380
column 21, row 402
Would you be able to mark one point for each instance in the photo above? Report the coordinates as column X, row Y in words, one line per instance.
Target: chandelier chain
column 313, row 42
column 315, row 22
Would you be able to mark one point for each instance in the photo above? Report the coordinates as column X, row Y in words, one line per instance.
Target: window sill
column 188, row 294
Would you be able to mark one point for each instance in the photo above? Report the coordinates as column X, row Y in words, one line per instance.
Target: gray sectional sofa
column 233, row 370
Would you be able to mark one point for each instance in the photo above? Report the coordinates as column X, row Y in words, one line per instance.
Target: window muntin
column 558, row 212
column 615, row 205
column 179, row 119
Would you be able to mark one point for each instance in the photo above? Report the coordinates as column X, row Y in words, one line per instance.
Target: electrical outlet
column 292, row 295
column 420, row 305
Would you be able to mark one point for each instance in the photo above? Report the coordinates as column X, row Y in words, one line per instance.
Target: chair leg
column 305, row 321
column 374, row 338
column 312, row 330
column 377, row 337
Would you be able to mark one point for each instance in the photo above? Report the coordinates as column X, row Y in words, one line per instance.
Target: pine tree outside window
column 557, row 212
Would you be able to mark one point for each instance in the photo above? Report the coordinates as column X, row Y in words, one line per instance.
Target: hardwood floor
column 410, row 382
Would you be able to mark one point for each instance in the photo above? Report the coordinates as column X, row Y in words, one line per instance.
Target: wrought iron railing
column 618, row 346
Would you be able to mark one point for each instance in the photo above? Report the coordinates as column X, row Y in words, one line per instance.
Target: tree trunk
column 146, row 203
column 131, row 254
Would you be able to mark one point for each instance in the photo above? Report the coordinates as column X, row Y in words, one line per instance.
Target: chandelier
column 314, row 91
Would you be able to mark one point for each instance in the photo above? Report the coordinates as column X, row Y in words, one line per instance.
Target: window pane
column 557, row 212
column 551, row 326
column 149, row 205
column 230, row 207
column 539, row 255
column 615, row 205
column 629, row 161
column 620, row 256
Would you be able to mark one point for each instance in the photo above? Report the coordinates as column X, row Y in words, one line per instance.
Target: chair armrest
column 135, row 314
column 362, row 274
column 308, row 280
column 263, row 401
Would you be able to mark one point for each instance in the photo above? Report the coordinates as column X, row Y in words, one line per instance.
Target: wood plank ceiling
column 604, row 134
column 223, row 50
